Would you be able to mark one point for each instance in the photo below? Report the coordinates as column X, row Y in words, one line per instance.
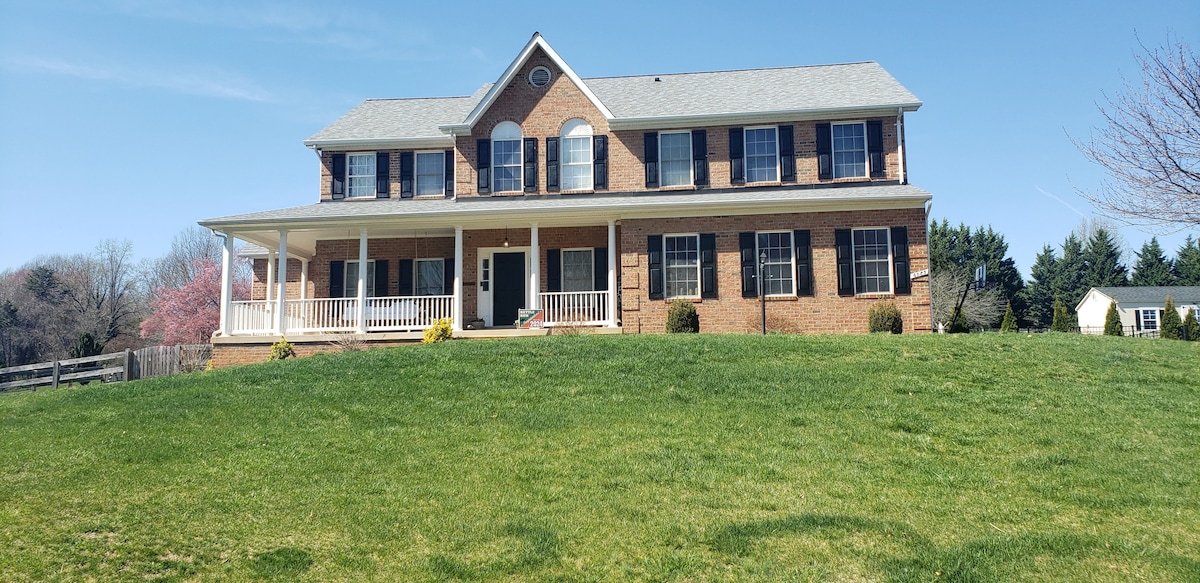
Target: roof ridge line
column 732, row 70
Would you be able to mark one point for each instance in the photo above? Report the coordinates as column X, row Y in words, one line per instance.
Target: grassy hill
column 574, row 458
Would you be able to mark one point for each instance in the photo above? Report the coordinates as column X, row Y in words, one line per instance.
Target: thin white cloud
column 1060, row 201
column 208, row 84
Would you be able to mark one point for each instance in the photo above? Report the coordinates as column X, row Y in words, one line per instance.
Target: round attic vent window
column 539, row 77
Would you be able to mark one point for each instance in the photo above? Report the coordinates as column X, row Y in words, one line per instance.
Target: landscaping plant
column 884, row 316
column 1112, row 321
column 682, row 318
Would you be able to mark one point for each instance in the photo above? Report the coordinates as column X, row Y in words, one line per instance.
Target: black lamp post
column 762, row 288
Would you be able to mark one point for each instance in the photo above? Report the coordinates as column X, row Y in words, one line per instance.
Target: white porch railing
column 321, row 315
column 586, row 308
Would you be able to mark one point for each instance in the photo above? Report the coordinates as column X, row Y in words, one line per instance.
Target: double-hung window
column 431, row 173
column 350, row 290
column 762, row 155
column 578, row 272
column 681, row 254
column 777, row 271
column 675, row 158
column 849, row 150
column 1148, row 318
column 360, row 174
column 577, row 156
column 431, row 275
column 871, row 261
column 506, row 158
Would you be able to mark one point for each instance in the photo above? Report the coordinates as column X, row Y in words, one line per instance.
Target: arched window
column 506, row 157
column 577, row 155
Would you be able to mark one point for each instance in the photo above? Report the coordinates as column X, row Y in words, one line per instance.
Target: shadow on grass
column 989, row 558
column 283, row 563
column 539, row 546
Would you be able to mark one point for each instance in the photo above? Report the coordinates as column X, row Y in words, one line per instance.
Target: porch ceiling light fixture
column 506, row 236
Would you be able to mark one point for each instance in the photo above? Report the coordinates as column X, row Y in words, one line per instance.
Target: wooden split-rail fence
column 152, row 361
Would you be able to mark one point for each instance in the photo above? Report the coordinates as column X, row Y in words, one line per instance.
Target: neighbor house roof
column 662, row 101
column 1182, row 294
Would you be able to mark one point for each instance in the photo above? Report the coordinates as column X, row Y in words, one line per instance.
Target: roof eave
column 444, row 141
column 683, row 121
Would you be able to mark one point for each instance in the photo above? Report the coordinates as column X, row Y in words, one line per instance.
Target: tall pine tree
column 1039, row 294
column 960, row 250
column 1152, row 267
column 1102, row 261
column 1187, row 263
column 1068, row 282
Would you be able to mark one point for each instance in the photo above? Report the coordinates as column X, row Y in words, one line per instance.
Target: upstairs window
column 431, row 173
column 762, row 155
column 506, row 158
column 675, row 158
column 849, row 150
column 577, row 156
column 360, row 174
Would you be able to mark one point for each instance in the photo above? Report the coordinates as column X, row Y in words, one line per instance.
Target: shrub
column 1061, row 321
column 682, row 318
column 1171, row 323
column 348, row 342
column 282, row 349
column 958, row 324
column 1192, row 326
column 440, row 331
column 86, row 345
column 1112, row 321
column 1009, row 323
column 884, row 316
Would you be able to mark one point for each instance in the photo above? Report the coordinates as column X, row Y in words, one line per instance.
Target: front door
column 508, row 287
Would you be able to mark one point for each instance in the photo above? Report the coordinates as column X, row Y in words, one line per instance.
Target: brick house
column 597, row 201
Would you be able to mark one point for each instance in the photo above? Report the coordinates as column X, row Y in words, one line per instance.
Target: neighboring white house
column 1141, row 308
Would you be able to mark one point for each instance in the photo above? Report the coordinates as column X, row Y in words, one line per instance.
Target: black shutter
column 787, row 154
column 824, row 151
column 337, row 279
column 337, row 188
column 845, row 261
column 552, row 165
column 600, row 264
column 448, row 276
column 900, row 270
column 650, row 152
column 404, row 269
column 383, row 174
column 381, row 278
column 553, row 270
column 737, row 156
column 654, row 246
column 483, row 151
column 802, row 242
column 406, row 174
column 600, row 162
column 708, row 265
column 749, row 264
column 1137, row 319
column 700, row 157
column 531, row 165
column 449, row 173
column 875, row 149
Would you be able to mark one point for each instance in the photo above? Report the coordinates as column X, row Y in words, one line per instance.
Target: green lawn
column 608, row 458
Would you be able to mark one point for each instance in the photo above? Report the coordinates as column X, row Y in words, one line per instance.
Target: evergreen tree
column 1192, row 326
column 1112, row 321
column 1061, row 322
column 1152, row 266
column 1102, row 262
column 1187, row 263
column 1068, row 284
column 1169, row 328
column 1009, row 323
column 960, row 250
column 1039, row 294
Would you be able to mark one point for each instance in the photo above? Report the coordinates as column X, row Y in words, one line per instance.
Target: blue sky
column 134, row 118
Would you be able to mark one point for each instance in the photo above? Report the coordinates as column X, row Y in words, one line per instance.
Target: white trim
column 665, row 122
column 549, row 76
column 833, row 151
column 348, row 144
column 699, row 269
column 562, row 268
column 484, row 299
column 791, row 252
column 891, row 278
column 416, row 174
column 503, row 132
column 690, row 159
column 576, row 129
column 374, row 174
column 746, row 155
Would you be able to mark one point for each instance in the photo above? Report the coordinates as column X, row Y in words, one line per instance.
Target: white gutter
column 382, row 143
column 900, row 144
column 669, row 121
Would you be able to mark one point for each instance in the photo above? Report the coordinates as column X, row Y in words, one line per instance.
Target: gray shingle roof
column 1182, row 294
column 378, row 119
column 853, row 85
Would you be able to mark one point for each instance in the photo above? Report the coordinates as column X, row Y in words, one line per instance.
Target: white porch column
column 362, row 281
column 612, row 273
column 535, row 269
column 225, row 329
column 303, row 279
column 280, row 316
column 457, row 309
column 270, row 277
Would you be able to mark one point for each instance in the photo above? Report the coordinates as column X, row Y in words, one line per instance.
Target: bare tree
column 178, row 266
column 981, row 308
column 1151, row 144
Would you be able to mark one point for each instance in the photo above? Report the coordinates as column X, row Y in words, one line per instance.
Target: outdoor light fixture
column 762, row 288
column 506, row 236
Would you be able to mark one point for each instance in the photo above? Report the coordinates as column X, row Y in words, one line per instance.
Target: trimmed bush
column 1061, row 321
column 1112, row 321
column 1009, row 323
column 682, row 318
column 1171, row 324
column 440, row 331
column 884, row 316
column 1191, row 326
column 282, row 349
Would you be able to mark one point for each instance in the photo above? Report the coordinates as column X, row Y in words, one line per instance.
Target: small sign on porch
column 530, row 319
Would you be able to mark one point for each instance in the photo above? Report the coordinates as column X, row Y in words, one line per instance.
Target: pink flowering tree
column 190, row 313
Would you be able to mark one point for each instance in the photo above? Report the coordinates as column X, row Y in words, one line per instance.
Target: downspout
column 900, row 144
